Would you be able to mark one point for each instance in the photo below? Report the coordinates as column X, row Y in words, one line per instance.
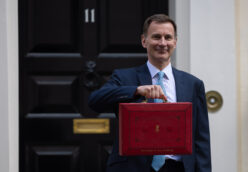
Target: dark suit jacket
column 121, row 88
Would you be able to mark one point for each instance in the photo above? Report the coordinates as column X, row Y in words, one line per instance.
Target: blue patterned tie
column 160, row 82
column 159, row 160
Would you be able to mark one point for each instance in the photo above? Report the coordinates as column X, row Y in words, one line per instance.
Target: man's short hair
column 158, row 18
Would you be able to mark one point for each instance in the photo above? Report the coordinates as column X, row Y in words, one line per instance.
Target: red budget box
column 155, row 128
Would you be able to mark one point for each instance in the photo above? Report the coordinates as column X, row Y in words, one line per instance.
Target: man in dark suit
column 136, row 84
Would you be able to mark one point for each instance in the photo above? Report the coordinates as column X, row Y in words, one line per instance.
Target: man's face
column 160, row 42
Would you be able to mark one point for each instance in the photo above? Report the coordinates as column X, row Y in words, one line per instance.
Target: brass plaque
column 91, row 126
column 214, row 101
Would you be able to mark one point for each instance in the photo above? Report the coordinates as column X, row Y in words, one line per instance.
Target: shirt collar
column 153, row 70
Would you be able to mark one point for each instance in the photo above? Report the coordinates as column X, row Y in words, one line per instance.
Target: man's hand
column 151, row 92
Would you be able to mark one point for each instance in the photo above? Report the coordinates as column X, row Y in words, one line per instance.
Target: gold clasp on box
column 91, row 126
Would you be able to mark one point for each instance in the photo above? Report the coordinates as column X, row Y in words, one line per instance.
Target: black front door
column 68, row 48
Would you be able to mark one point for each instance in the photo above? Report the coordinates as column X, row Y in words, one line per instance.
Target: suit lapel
column 180, row 86
column 144, row 76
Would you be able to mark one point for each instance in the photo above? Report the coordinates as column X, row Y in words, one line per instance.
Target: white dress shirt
column 168, row 81
column 170, row 88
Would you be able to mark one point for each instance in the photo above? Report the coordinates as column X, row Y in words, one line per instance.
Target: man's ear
column 143, row 40
column 175, row 43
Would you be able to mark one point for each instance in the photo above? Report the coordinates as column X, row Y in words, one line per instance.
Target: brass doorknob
column 214, row 101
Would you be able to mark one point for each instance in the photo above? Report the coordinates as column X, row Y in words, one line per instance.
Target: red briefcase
column 155, row 128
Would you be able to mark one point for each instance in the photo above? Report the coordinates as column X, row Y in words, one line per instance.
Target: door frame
column 9, row 123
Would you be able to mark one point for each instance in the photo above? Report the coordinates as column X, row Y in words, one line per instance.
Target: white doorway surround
column 242, row 82
column 9, row 86
column 213, row 59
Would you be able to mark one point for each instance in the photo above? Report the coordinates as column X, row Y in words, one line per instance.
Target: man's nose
column 162, row 42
